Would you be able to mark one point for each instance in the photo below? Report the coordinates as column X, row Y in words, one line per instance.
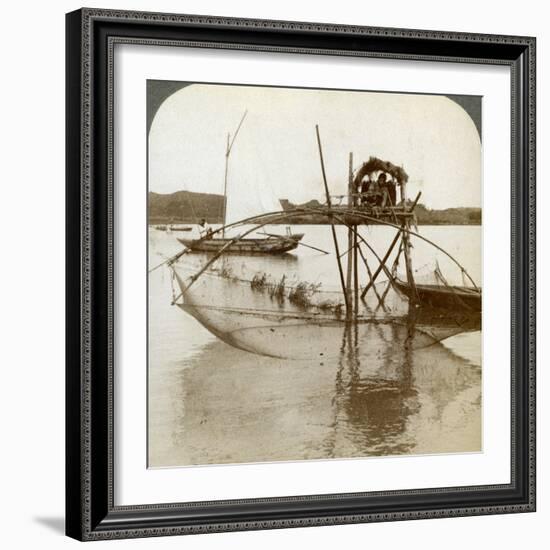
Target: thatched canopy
column 374, row 164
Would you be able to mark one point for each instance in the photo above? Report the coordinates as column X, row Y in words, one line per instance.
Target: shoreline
column 159, row 221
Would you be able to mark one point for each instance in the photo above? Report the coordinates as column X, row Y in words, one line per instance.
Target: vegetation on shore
column 424, row 215
column 189, row 207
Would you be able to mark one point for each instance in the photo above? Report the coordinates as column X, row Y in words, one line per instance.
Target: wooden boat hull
column 443, row 297
column 272, row 245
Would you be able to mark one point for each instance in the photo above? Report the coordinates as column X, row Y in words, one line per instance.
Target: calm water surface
column 210, row 403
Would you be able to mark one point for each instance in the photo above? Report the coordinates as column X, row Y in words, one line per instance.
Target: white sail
column 246, row 198
column 246, row 190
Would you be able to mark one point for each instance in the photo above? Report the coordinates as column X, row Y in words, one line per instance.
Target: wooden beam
column 369, row 273
column 394, row 266
column 382, row 264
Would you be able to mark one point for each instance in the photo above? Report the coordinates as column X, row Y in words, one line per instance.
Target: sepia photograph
column 314, row 274
column 300, row 274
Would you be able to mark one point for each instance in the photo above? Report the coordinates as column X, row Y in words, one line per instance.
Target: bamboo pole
column 228, row 148
column 369, row 273
column 224, row 213
column 313, row 247
column 329, row 204
column 407, row 247
column 194, row 277
column 355, row 276
column 342, row 221
column 350, row 233
column 394, row 267
column 346, row 252
column 353, row 199
column 408, row 259
column 382, row 265
column 299, row 243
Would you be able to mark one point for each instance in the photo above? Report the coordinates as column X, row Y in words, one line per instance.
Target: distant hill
column 184, row 207
column 190, row 207
column 448, row 216
column 424, row 215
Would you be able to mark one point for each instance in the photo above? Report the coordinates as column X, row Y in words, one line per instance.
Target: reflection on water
column 375, row 407
column 376, row 395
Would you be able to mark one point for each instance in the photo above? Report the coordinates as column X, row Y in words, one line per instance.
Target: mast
column 228, row 147
column 224, row 205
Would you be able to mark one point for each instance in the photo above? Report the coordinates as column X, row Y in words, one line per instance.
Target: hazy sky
column 276, row 156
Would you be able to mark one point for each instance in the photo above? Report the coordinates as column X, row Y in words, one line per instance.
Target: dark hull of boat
column 274, row 245
column 442, row 297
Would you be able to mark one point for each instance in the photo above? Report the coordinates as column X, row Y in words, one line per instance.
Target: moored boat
column 179, row 228
column 444, row 297
column 270, row 245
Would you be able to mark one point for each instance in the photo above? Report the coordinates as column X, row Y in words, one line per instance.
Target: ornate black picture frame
column 90, row 510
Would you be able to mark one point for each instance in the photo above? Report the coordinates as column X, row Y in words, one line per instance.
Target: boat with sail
column 270, row 245
column 216, row 241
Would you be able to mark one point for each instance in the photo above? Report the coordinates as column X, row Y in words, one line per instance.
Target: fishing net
column 270, row 305
column 293, row 319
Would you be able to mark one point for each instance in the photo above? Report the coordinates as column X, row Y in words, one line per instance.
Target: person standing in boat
column 205, row 230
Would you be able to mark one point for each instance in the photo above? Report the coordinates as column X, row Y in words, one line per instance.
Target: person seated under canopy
column 382, row 190
column 379, row 192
